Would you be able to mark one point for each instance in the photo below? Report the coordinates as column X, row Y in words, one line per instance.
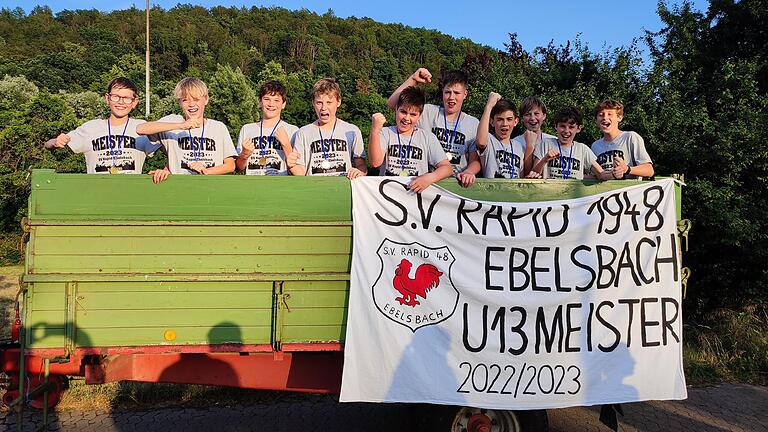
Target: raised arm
column 530, row 138
column 481, row 139
column 156, row 127
column 58, row 142
column 421, row 76
column 375, row 153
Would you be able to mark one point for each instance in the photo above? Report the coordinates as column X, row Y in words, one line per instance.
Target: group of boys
column 427, row 142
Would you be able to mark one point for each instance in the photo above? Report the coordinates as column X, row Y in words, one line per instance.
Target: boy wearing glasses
column 111, row 146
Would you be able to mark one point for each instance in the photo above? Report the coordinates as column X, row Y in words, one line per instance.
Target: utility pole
column 146, row 73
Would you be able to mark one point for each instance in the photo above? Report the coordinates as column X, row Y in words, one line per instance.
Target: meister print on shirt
column 507, row 164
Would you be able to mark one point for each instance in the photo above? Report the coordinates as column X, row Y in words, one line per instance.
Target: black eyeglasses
column 118, row 98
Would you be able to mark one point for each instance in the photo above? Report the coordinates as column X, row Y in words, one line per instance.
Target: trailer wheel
column 58, row 384
column 466, row 419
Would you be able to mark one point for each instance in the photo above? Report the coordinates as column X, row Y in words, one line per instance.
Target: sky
column 600, row 24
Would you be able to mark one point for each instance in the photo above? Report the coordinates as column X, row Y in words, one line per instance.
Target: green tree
column 232, row 98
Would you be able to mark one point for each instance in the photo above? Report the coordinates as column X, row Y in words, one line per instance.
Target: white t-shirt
column 457, row 143
column 116, row 149
column 209, row 144
column 502, row 160
column 574, row 161
column 521, row 139
column 265, row 146
column 332, row 154
column 413, row 154
column 628, row 146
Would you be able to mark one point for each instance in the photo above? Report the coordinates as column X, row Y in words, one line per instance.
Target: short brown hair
column 273, row 87
column 530, row 103
column 412, row 97
column 569, row 115
column 610, row 104
column 503, row 106
column 122, row 82
column 326, row 86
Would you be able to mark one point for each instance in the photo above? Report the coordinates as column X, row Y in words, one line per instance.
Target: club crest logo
column 414, row 286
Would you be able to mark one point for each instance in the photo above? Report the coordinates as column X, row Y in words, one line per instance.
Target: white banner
column 513, row 305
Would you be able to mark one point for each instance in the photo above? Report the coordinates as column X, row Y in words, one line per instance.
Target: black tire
column 440, row 418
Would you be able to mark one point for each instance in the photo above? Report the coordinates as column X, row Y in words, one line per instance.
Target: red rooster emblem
column 427, row 277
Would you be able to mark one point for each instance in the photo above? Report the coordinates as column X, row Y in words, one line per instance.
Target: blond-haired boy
column 195, row 144
column 328, row 146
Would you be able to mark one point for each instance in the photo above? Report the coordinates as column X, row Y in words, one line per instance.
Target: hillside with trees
column 700, row 104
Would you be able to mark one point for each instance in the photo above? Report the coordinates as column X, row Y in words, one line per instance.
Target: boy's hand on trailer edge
column 466, row 179
column 159, row 176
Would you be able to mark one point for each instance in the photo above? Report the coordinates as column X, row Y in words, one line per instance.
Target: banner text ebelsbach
column 513, row 305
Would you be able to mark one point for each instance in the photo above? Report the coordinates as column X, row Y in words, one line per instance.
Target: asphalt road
column 727, row 407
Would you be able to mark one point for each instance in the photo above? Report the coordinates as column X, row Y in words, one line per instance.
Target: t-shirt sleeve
column 358, row 146
column 240, row 136
column 486, row 153
column 229, row 147
column 299, row 144
column 78, row 139
column 384, row 141
column 472, row 146
column 427, row 114
column 162, row 137
column 435, row 152
column 637, row 147
column 144, row 144
column 589, row 158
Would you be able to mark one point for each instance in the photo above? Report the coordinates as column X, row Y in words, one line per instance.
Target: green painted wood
column 193, row 287
column 170, row 318
column 243, row 247
column 188, row 198
column 314, row 333
column 190, row 263
column 47, row 301
column 196, row 335
column 233, row 234
column 45, row 337
column 159, row 301
column 166, row 278
column 317, row 311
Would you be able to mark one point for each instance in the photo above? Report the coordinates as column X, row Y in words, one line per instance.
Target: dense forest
column 700, row 101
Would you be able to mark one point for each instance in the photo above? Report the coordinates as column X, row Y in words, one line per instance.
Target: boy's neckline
column 611, row 139
column 270, row 122
column 117, row 121
column 413, row 130
column 328, row 125
column 454, row 115
column 510, row 139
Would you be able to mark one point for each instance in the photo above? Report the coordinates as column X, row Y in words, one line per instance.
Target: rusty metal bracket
column 685, row 274
column 683, row 228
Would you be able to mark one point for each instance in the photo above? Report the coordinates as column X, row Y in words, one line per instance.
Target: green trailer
column 220, row 280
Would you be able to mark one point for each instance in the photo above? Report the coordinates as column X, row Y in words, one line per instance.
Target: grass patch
column 9, row 285
column 731, row 346
column 128, row 395
column 10, row 249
